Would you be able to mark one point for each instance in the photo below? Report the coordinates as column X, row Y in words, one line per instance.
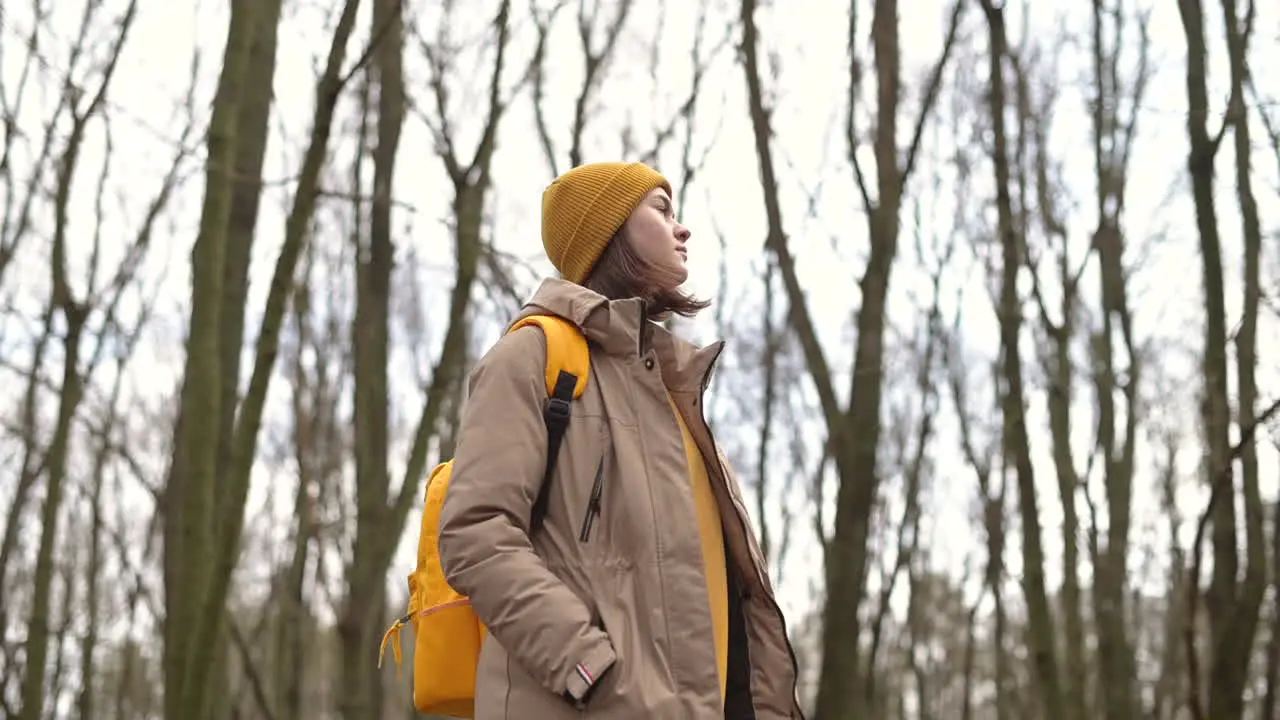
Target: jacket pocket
column 593, row 504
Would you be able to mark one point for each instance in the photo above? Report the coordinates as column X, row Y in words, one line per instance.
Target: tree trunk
column 39, row 626
column 190, row 490
column 1231, row 622
column 363, row 619
column 254, row 111
column 28, row 472
column 1226, row 700
column 843, row 683
column 246, row 193
column 1112, row 140
column 382, row 513
column 203, row 527
column 1041, row 630
column 857, row 459
column 1060, row 371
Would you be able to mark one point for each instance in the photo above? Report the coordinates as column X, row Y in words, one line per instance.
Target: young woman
column 643, row 594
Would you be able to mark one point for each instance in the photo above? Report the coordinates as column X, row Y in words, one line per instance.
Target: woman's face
column 659, row 239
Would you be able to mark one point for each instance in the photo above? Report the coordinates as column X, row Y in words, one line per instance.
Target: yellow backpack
column 447, row 633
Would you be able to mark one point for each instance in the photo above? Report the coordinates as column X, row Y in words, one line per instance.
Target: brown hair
column 620, row 273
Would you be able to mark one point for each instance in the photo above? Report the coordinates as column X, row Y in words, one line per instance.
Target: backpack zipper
column 593, row 504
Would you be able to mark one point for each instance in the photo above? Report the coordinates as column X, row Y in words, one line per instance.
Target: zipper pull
column 597, row 489
column 593, row 503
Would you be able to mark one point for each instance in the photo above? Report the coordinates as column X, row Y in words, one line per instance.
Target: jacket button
column 648, row 363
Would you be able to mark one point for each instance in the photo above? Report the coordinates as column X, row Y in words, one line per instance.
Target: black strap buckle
column 557, row 409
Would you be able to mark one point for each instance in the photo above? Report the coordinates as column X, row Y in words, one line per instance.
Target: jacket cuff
column 585, row 675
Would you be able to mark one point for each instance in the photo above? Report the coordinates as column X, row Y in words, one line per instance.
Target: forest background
column 997, row 280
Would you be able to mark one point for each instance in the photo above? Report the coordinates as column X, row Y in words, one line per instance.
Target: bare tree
column 380, row 511
column 913, row 446
column 318, row 444
column 1250, row 590
column 363, row 616
column 16, row 229
column 1113, row 145
column 88, row 319
column 594, row 66
column 855, row 453
column 1232, row 604
column 1016, row 448
column 1034, row 120
column 1113, row 131
column 991, row 481
column 471, row 184
column 597, row 55
column 201, row 524
column 74, row 312
column 1271, row 698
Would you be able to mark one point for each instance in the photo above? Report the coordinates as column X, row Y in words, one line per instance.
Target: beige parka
column 612, row 590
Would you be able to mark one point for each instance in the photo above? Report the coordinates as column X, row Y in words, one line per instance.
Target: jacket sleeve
column 484, row 524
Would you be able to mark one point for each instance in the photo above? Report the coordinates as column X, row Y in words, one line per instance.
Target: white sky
column 808, row 42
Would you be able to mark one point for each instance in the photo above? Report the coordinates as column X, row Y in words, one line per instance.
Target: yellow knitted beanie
column 583, row 209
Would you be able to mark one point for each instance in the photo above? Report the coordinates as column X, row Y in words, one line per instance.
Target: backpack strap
column 568, row 368
column 556, row 414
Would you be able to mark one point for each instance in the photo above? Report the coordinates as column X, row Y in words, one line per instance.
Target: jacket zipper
column 593, row 504
column 739, row 511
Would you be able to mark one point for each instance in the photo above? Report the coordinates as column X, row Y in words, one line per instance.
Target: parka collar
column 620, row 328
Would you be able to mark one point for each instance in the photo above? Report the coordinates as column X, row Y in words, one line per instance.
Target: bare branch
column 931, row 91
